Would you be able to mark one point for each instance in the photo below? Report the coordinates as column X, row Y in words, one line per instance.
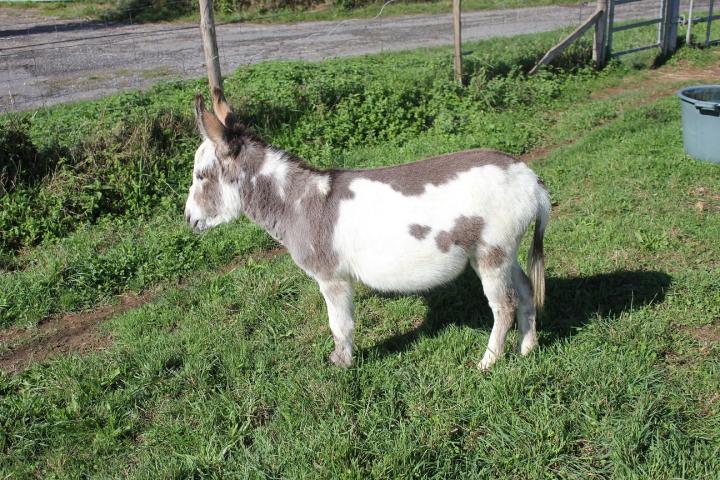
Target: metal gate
column 690, row 21
column 666, row 21
column 603, row 19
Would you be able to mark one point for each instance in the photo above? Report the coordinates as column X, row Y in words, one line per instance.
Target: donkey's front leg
column 338, row 298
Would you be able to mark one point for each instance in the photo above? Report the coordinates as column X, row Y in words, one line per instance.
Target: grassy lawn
column 227, row 11
column 224, row 374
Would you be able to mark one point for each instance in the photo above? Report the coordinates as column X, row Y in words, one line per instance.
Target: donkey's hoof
column 340, row 359
column 487, row 362
column 527, row 346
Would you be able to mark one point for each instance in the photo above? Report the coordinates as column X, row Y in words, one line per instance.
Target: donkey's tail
column 536, row 257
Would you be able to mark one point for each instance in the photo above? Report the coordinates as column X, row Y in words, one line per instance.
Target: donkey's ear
column 208, row 124
column 222, row 109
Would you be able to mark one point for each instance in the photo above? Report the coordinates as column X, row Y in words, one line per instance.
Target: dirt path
column 664, row 81
column 656, row 84
column 75, row 332
column 79, row 332
column 44, row 62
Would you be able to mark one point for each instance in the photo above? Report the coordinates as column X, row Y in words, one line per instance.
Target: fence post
column 609, row 31
column 555, row 51
column 688, row 35
column 212, row 58
column 458, row 41
column 600, row 37
column 709, row 23
column 671, row 14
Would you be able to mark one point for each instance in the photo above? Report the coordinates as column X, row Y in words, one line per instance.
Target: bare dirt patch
column 79, row 332
column 708, row 405
column 707, row 339
column 705, row 200
column 707, row 335
column 541, row 152
column 662, row 82
column 74, row 332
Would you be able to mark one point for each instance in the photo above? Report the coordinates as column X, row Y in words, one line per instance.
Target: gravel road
column 44, row 61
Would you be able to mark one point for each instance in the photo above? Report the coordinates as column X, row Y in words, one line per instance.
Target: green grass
column 259, row 11
column 225, row 374
column 94, row 264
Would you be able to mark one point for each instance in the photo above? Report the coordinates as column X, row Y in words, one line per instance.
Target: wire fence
column 43, row 62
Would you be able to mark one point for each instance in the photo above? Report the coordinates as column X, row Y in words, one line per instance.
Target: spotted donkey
column 405, row 228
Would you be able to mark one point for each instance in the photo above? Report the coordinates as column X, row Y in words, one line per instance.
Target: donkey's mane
column 239, row 136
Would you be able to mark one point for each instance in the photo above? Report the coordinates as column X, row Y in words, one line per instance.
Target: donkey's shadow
column 569, row 303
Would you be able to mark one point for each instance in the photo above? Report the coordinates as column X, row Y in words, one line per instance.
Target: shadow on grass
column 143, row 11
column 124, row 12
column 54, row 28
column 570, row 303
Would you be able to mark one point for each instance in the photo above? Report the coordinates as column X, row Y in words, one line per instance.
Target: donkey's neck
column 274, row 188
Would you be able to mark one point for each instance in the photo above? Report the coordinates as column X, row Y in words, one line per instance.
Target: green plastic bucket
column 701, row 121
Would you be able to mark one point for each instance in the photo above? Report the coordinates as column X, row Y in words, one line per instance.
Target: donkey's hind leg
column 526, row 313
column 497, row 281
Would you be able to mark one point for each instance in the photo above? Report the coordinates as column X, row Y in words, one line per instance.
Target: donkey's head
column 214, row 196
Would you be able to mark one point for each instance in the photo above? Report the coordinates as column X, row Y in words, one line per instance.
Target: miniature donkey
column 405, row 228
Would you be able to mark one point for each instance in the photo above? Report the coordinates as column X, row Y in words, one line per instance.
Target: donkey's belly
column 405, row 241
column 409, row 269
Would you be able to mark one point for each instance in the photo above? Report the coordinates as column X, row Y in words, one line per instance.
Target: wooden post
column 555, row 51
column 458, row 41
column 212, row 58
column 688, row 36
column 600, row 37
column 709, row 23
column 609, row 31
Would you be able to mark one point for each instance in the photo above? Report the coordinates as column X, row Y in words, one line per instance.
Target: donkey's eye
column 200, row 177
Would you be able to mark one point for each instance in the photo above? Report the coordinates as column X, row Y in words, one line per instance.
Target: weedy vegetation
column 223, row 374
